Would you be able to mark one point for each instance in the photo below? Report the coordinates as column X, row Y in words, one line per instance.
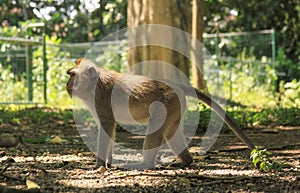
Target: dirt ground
column 68, row 167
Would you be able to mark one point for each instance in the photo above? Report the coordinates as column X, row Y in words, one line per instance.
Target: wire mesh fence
column 242, row 45
column 16, row 69
column 244, row 54
column 252, row 53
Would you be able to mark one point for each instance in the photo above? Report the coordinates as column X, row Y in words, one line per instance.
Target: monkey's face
column 83, row 79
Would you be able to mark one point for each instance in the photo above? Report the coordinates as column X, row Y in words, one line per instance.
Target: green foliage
column 14, row 85
column 247, row 117
column 12, row 88
column 12, row 76
column 288, row 66
column 250, row 84
column 11, row 31
column 80, row 22
column 261, row 160
column 16, row 120
column 289, row 94
column 254, row 84
column 39, row 140
column 56, row 74
column 197, row 115
column 253, row 89
column 33, row 115
column 281, row 15
column 85, row 21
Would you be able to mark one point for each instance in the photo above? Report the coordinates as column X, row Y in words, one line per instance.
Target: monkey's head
column 83, row 79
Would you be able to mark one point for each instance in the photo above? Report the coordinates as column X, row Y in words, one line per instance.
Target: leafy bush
column 14, row 86
column 56, row 74
column 261, row 160
column 289, row 94
column 247, row 117
column 11, row 88
column 286, row 65
column 249, row 84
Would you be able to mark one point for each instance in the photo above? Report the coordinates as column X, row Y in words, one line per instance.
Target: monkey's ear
column 92, row 71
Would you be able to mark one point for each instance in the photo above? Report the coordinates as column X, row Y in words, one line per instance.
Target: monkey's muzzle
column 69, row 88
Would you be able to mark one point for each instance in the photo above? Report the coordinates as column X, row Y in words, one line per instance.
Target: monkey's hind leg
column 177, row 142
column 153, row 140
column 152, row 144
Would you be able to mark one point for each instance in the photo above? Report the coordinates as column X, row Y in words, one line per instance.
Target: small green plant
column 43, row 139
column 16, row 120
column 260, row 159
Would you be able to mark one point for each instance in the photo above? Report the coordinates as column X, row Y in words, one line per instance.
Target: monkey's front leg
column 105, row 144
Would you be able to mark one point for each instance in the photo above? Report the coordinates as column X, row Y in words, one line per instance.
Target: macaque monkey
column 149, row 101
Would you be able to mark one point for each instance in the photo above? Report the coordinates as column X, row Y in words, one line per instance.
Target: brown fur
column 141, row 93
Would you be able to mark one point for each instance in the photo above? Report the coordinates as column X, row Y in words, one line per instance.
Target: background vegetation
column 84, row 22
column 51, row 156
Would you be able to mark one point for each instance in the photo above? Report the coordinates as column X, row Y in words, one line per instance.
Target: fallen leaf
column 101, row 170
column 201, row 157
column 31, row 185
column 56, row 139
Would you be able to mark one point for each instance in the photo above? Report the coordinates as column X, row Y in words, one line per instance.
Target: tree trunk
column 175, row 13
column 197, row 53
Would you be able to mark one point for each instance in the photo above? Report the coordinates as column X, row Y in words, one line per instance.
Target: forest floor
column 67, row 166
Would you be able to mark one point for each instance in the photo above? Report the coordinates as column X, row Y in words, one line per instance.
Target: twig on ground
column 8, row 163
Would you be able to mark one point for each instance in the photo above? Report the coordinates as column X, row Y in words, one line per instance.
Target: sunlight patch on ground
column 51, row 158
column 290, row 151
column 224, row 172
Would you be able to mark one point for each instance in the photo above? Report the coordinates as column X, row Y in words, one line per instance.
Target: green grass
column 267, row 117
column 34, row 115
column 247, row 117
column 244, row 117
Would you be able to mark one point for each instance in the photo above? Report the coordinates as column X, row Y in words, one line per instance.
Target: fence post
column 231, row 64
column 45, row 66
column 273, row 46
column 217, row 44
column 29, row 72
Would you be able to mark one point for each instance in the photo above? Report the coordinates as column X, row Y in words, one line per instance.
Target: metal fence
column 253, row 52
column 231, row 50
column 244, row 46
column 16, row 63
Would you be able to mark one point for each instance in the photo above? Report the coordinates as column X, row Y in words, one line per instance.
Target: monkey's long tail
column 190, row 91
